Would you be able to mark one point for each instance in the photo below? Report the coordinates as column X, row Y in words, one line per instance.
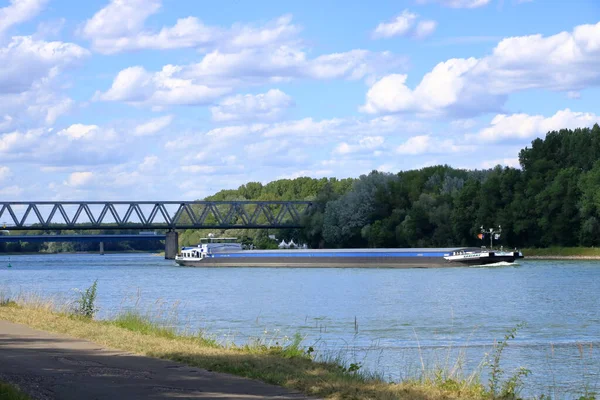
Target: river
column 392, row 321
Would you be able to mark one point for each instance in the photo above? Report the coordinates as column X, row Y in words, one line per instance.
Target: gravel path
column 49, row 366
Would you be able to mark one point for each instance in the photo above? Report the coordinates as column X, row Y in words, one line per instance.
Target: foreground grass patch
column 9, row 392
column 287, row 366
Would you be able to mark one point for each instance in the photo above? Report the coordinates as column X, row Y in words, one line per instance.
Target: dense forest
column 552, row 200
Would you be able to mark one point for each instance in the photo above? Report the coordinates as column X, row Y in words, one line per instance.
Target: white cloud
column 463, row 124
column 304, row 127
column 25, row 61
column 4, row 172
column 148, row 163
column 15, row 142
column 11, row 192
column 458, row 3
column 508, row 162
column 6, row 122
column 153, row 126
column 75, row 145
column 197, row 169
column 78, row 131
column 368, row 143
column 19, row 11
column 563, row 62
column 319, row 173
column 218, row 73
column 119, row 27
column 425, row 144
column 425, row 29
column 573, row 94
column 136, row 86
column 31, row 81
column 269, row 105
column 405, row 24
column 524, row 126
column 77, row 179
column 55, row 108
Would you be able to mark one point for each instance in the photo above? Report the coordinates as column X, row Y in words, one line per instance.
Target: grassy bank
column 288, row 365
column 9, row 392
column 563, row 252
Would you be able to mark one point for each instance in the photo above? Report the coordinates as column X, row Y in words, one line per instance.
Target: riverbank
column 562, row 253
column 25, row 253
column 285, row 364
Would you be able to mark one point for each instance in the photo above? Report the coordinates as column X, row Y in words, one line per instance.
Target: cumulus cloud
column 269, row 105
column 153, row 126
column 4, row 172
column 25, row 61
column 218, row 73
column 77, row 179
column 11, row 192
column 365, row 144
column 119, row 27
column 19, row 11
column 148, row 163
column 75, row 145
column 136, row 86
column 30, row 72
column 17, row 141
column 78, row 131
column 405, row 24
column 426, row 144
column 458, row 3
column 523, row 126
column 562, row 62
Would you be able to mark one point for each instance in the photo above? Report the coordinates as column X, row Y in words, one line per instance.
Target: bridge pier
column 171, row 245
column 101, row 248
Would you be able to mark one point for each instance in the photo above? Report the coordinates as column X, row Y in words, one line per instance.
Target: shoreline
column 286, row 364
column 589, row 258
column 36, row 253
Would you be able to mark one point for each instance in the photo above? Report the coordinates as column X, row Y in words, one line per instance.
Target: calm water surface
column 386, row 319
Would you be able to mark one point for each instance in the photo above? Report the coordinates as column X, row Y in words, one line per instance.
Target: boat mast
column 492, row 232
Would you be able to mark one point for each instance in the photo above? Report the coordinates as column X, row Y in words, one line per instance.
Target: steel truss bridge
column 169, row 215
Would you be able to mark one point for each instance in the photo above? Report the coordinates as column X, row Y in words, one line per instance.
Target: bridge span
column 151, row 215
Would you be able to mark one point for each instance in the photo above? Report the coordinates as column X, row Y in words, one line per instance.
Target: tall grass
column 9, row 392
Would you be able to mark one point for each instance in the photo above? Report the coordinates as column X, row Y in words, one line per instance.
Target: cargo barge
column 225, row 252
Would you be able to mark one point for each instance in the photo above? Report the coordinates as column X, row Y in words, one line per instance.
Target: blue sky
column 176, row 99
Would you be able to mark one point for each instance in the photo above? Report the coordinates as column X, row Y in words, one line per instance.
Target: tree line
column 552, row 200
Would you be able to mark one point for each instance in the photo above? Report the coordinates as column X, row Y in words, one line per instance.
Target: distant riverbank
column 33, row 253
column 563, row 253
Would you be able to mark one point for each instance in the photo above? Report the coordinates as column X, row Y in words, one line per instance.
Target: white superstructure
column 209, row 246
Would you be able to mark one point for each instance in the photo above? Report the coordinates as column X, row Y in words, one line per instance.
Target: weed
column 85, row 306
column 9, row 392
column 509, row 388
column 7, row 302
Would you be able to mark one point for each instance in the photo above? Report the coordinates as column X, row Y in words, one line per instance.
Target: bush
column 85, row 306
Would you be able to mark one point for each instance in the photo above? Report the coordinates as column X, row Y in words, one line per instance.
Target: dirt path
column 49, row 366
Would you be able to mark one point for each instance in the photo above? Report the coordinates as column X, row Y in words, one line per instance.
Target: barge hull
column 327, row 262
